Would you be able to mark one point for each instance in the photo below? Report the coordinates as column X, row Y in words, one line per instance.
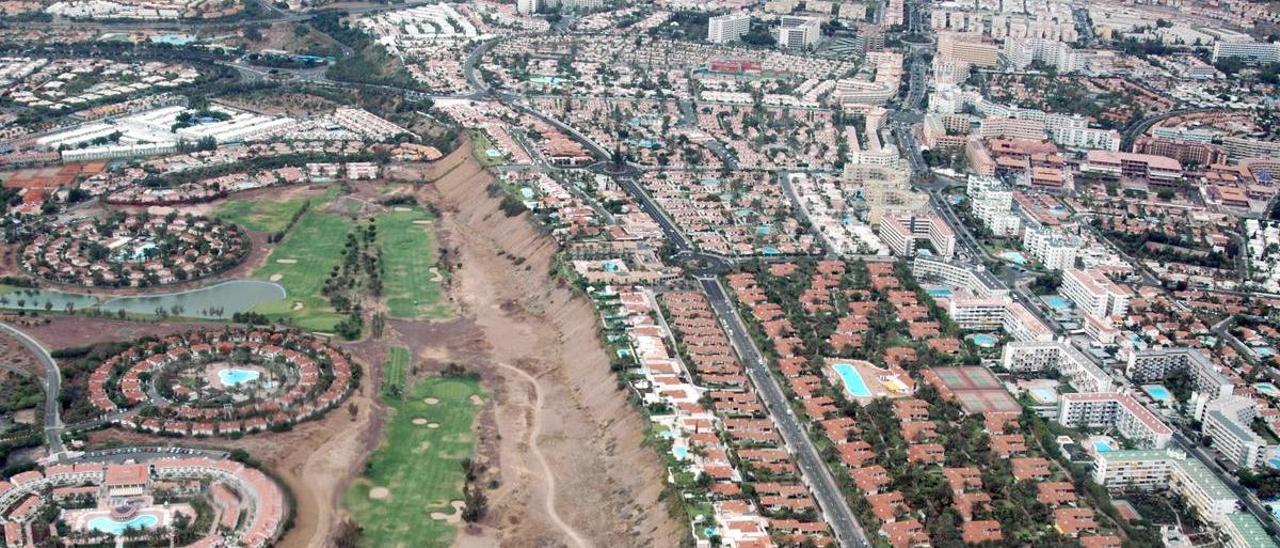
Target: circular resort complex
column 203, row 501
column 135, row 250
column 222, row 383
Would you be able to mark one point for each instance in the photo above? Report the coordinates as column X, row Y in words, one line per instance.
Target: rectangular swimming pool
column 853, row 383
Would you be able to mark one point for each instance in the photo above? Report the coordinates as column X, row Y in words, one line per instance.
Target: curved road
column 52, row 388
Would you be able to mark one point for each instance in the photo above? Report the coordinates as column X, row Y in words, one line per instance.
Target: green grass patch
column 480, row 146
column 269, row 216
column 411, row 283
column 309, row 251
column 420, row 467
column 395, row 371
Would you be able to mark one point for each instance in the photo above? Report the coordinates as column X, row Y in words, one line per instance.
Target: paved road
column 814, row 470
column 52, row 388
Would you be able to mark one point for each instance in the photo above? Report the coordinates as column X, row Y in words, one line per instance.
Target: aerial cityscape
column 655, row 273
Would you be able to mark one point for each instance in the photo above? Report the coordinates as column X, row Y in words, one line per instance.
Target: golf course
column 411, row 491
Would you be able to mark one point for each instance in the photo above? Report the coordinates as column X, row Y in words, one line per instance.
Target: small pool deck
column 880, row 383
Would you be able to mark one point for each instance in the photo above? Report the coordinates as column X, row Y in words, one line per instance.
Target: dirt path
column 549, row 496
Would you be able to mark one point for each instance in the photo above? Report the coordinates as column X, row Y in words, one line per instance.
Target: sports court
column 976, row 389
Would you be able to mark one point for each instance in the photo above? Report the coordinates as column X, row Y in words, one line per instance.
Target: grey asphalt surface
column 835, row 509
column 52, row 389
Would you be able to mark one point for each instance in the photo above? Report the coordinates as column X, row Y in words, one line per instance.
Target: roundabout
column 135, row 251
column 224, row 383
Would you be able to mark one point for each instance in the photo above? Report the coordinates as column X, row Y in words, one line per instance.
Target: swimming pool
column 853, row 383
column 1264, row 351
column 1268, row 389
column 983, row 340
column 1044, row 395
column 234, row 376
column 771, row 251
column 1157, row 392
column 105, row 524
column 1103, row 446
column 681, row 452
column 1057, row 303
column 940, row 293
column 1015, row 257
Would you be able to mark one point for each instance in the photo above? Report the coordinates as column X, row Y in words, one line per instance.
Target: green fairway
column 395, row 370
column 411, row 282
column 264, row 215
column 301, row 264
column 419, row 467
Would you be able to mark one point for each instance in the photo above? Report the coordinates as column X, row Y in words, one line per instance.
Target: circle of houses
column 317, row 377
column 250, row 507
column 135, row 250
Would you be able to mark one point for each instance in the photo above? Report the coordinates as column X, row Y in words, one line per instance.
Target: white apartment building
column 1114, row 410
column 1172, row 469
column 723, row 29
column 1081, row 373
column 978, row 281
column 991, row 313
column 1020, row 53
column 799, row 32
column 1055, row 250
column 527, row 7
column 901, row 232
column 1094, row 293
column 1158, row 363
column 1227, row 423
column 993, row 205
column 1252, row 51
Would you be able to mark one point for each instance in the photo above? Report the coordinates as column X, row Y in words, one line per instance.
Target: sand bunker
column 379, row 493
column 455, row 517
column 402, row 208
column 287, row 261
column 419, row 421
column 422, row 222
column 276, row 277
column 435, row 274
column 297, row 305
column 475, row 400
column 433, row 425
column 431, row 401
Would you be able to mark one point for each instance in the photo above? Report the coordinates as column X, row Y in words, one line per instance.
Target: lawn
column 419, row 467
column 411, row 281
column 394, row 372
column 309, row 251
column 480, row 146
column 262, row 215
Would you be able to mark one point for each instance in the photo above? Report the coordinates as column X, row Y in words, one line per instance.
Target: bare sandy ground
column 558, row 408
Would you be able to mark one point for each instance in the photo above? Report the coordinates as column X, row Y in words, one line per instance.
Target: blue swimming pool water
column 104, row 524
column 1157, row 392
column 1264, row 351
column 235, row 376
column 1015, row 257
column 771, row 251
column 681, row 452
column 1058, row 303
column 764, row 230
column 853, row 383
column 1102, row 446
column 940, row 293
column 1047, row 395
column 1267, row 388
column 984, row 340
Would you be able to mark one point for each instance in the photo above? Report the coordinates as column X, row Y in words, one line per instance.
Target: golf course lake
column 217, row 301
